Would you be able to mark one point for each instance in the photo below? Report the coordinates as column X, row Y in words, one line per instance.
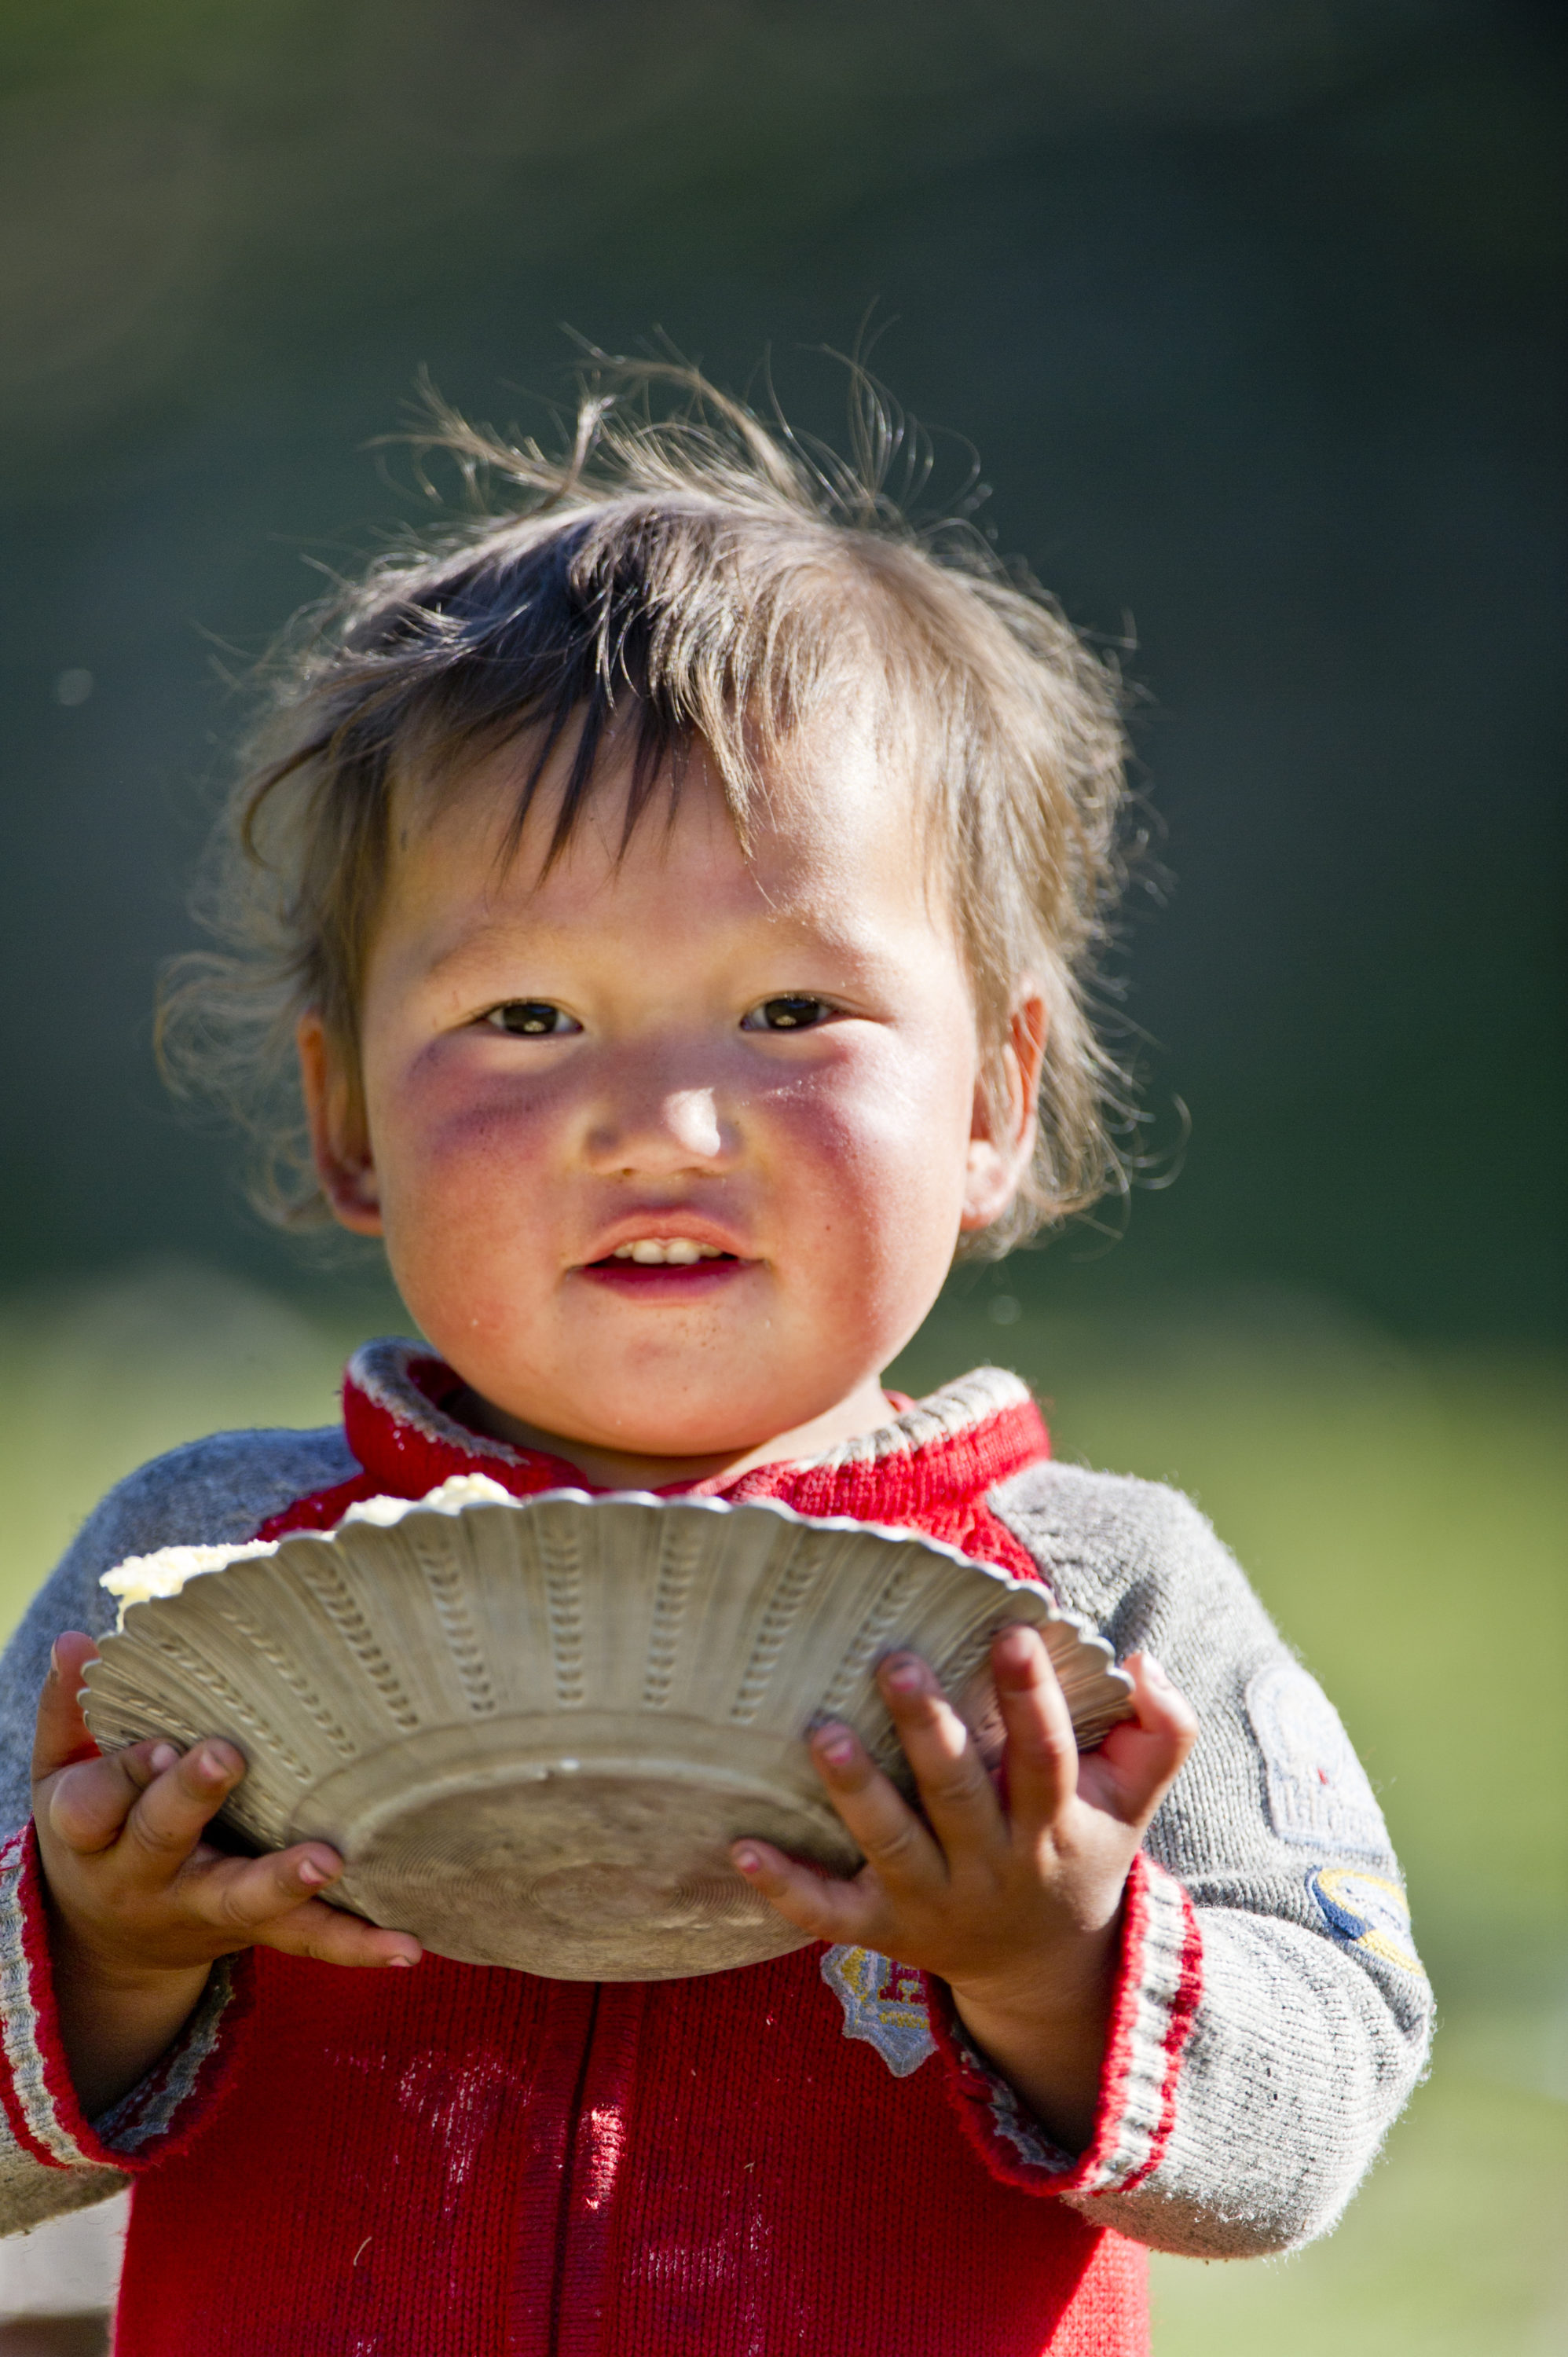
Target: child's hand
column 1015, row 1909
column 141, row 1906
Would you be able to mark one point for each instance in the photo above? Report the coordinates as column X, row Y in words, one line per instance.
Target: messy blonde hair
column 682, row 574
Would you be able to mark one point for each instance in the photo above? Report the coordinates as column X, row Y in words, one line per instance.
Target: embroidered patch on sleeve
column 1366, row 1911
column 884, row 2003
column 1317, row 1790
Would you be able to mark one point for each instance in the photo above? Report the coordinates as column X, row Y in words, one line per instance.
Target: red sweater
column 799, row 2157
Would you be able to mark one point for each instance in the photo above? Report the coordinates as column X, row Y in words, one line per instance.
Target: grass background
column 1402, row 1511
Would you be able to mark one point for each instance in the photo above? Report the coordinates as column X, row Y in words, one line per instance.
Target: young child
column 681, row 891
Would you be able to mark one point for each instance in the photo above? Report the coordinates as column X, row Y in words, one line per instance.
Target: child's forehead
column 823, row 803
column 833, row 865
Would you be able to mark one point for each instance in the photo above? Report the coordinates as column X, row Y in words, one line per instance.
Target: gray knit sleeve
column 1315, row 2015
column 211, row 1492
column 51, row 2159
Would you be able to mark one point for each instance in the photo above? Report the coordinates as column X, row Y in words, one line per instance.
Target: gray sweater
column 1315, row 2015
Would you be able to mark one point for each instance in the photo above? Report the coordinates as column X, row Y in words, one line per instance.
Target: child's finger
column 171, row 1815
column 892, row 1836
column 88, row 1804
column 955, row 1788
column 62, row 1736
column 275, row 1899
column 1042, row 1751
column 839, row 1912
column 1139, row 1760
column 329, row 1937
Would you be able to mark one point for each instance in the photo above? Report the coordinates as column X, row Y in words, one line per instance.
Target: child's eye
column 531, row 1018
column 793, row 1012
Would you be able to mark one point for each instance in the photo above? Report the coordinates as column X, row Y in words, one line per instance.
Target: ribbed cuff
column 1158, row 1983
column 40, row 2102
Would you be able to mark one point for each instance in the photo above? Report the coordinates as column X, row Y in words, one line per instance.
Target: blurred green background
column 1252, row 309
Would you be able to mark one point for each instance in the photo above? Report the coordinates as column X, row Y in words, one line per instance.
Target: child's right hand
column 141, row 1906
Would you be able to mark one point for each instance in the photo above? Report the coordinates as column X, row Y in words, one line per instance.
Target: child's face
column 771, row 1062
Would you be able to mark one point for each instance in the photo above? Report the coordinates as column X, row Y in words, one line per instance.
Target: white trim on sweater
column 19, row 2022
column 1154, row 2063
column 381, row 1371
column 1143, row 2055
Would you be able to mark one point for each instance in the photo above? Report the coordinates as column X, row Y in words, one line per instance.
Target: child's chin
column 701, row 1420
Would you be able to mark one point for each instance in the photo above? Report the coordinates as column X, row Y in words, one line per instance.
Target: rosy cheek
column 878, row 1138
column 497, row 1133
column 458, row 1135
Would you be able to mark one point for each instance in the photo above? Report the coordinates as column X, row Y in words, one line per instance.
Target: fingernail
column 748, row 1860
column 163, row 1757
column 906, row 1676
column 1156, row 1670
column 312, row 1873
column 836, row 1746
column 402, row 1964
column 54, row 1657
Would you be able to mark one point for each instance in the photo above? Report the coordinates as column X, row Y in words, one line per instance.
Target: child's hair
column 690, row 577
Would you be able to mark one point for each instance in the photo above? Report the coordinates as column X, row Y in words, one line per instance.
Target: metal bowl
column 532, row 1729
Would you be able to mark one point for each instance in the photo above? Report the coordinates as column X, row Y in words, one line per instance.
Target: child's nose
column 665, row 1131
column 693, row 1118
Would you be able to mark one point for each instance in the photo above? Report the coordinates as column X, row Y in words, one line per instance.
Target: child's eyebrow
column 788, row 933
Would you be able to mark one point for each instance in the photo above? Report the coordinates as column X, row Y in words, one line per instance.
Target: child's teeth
column 656, row 1252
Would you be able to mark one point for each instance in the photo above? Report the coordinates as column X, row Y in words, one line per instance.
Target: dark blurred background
column 1250, row 307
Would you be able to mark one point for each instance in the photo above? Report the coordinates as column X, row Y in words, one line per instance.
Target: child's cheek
column 872, row 1176
column 885, row 1122
column 452, row 1104
column 462, row 1164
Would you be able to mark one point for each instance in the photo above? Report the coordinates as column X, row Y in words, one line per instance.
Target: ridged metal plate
column 532, row 1729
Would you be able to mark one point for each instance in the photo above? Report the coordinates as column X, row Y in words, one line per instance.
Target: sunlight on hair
column 680, row 572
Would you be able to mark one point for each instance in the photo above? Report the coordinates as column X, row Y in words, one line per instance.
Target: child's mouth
column 668, row 1266
column 665, row 1252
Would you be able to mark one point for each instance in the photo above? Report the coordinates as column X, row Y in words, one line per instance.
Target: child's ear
column 340, row 1144
column 997, row 1162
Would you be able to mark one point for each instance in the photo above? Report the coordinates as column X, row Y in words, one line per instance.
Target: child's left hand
column 1016, row 1908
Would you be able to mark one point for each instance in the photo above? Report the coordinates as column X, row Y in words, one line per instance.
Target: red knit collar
column 939, row 1453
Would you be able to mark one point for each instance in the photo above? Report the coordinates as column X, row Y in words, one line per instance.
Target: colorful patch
column 1317, row 1790
column 884, row 2003
column 1366, row 1911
